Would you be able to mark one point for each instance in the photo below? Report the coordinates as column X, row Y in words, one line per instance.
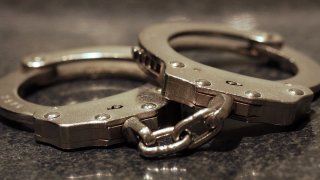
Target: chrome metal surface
column 260, row 152
column 81, row 54
column 255, row 100
column 161, row 150
column 181, row 134
column 93, row 123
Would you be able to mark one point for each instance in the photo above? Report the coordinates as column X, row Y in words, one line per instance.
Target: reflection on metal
column 92, row 55
column 244, row 21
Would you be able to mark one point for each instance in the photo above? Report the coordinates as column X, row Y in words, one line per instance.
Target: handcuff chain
column 136, row 132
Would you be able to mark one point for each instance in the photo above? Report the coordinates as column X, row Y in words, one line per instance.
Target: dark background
column 264, row 152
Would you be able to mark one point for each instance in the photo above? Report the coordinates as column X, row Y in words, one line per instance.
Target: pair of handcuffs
column 136, row 115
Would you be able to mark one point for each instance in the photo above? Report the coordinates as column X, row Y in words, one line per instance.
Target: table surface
column 264, row 152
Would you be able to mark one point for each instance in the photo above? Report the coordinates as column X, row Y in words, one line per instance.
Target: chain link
column 161, row 150
column 212, row 117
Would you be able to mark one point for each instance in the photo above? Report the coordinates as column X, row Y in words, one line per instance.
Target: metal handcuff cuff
column 103, row 122
column 240, row 97
column 134, row 115
column 93, row 123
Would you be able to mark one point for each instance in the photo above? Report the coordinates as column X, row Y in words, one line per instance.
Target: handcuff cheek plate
column 256, row 100
column 93, row 123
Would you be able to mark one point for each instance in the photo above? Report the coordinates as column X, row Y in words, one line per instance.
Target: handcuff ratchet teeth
column 244, row 98
column 194, row 84
column 134, row 115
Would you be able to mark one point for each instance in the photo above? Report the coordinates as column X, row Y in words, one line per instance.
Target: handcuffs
column 93, row 123
column 135, row 115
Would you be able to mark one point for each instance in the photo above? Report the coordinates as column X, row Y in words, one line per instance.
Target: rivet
column 252, row 94
column 102, row 117
column 294, row 91
column 176, row 64
column 52, row 115
column 148, row 106
column 203, row 82
column 196, row 69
